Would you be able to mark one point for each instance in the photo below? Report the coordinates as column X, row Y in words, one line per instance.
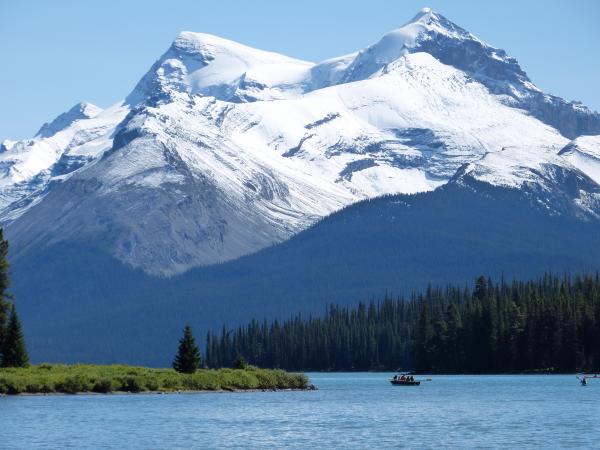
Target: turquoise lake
column 350, row 410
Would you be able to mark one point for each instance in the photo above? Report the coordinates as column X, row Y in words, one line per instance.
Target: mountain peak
column 425, row 14
column 82, row 110
column 428, row 20
column 205, row 48
column 86, row 109
column 200, row 63
column 205, row 45
column 426, row 26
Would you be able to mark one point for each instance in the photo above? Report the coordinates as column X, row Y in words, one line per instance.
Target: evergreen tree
column 187, row 359
column 4, row 283
column 14, row 353
column 422, row 341
column 453, row 339
column 240, row 363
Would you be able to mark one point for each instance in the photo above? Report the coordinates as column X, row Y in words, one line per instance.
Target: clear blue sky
column 57, row 53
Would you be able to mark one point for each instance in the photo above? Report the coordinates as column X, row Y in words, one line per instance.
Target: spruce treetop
column 14, row 352
column 188, row 357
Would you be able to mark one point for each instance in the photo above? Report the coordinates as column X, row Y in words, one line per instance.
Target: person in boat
column 395, row 377
column 403, row 378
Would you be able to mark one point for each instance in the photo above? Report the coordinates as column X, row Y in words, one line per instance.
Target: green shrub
column 132, row 384
column 298, row 380
column 103, row 385
column 16, row 386
column 152, row 384
column 202, row 380
column 73, row 384
column 39, row 386
column 266, row 379
column 171, row 381
column 47, row 378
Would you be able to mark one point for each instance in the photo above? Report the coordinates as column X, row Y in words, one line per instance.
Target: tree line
column 548, row 324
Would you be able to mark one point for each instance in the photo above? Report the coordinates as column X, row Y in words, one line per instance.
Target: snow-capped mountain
column 222, row 149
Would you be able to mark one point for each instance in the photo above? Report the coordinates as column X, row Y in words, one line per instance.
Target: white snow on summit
column 80, row 111
column 221, row 149
column 27, row 167
column 203, row 64
column 399, row 42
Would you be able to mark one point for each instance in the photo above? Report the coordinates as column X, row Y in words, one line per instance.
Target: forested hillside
column 111, row 313
column 551, row 323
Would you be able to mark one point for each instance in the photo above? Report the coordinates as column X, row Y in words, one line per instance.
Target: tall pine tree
column 14, row 353
column 4, row 283
column 188, row 358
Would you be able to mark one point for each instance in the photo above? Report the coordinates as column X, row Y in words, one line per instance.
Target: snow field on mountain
column 221, row 150
column 584, row 153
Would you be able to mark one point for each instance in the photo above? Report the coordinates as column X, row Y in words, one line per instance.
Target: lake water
column 350, row 410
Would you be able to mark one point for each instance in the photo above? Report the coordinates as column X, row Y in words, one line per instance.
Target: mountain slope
column 81, row 111
column 584, row 153
column 237, row 149
column 30, row 169
column 90, row 307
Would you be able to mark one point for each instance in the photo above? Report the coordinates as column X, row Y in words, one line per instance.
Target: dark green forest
column 548, row 324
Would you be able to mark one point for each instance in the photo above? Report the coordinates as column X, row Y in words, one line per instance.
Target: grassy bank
column 55, row 378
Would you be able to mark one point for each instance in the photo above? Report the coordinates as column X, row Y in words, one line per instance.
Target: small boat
column 404, row 379
column 399, row 382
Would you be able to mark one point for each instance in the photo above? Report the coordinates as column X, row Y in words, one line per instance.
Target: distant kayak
column 585, row 377
column 404, row 383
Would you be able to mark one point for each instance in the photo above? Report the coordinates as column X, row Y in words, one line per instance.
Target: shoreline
column 51, row 379
column 181, row 392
